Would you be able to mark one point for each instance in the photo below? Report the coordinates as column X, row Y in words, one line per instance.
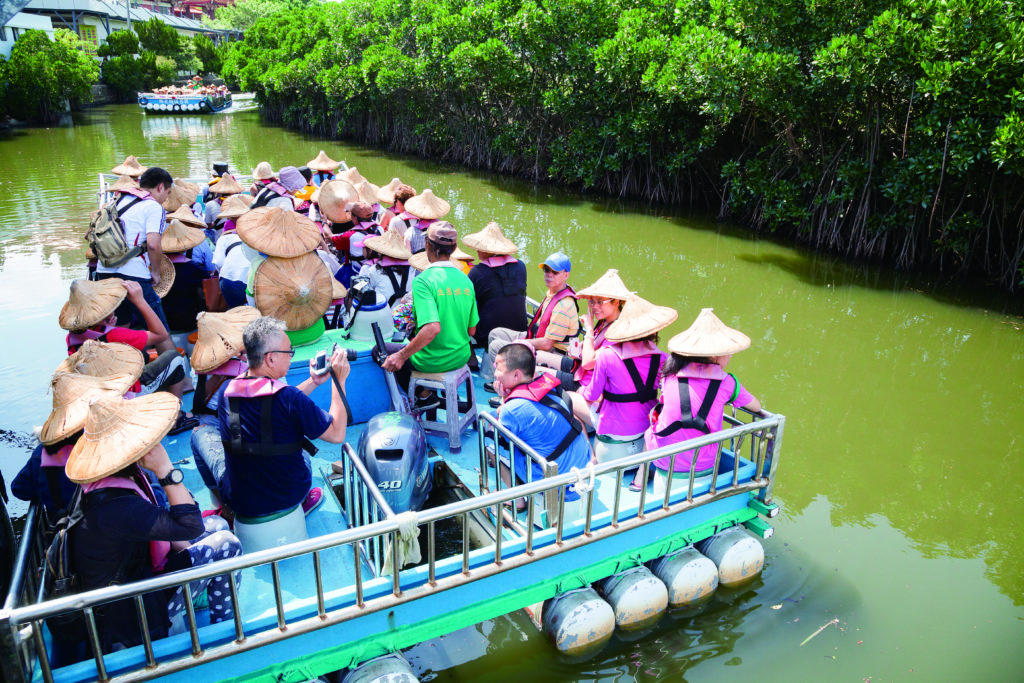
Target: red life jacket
column 546, row 390
column 542, row 316
column 260, row 389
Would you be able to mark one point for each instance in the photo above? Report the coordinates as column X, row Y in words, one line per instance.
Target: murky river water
column 900, row 481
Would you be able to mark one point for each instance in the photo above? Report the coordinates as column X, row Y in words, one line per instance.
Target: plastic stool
column 449, row 382
column 260, row 533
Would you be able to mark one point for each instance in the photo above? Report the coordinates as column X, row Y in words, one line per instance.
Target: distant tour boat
column 175, row 104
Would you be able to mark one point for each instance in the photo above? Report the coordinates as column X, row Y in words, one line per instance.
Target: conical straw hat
column 491, row 240
column 322, row 162
column 386, row 194
column 608, row 286
column 352, row 176
column 338, row 290
column 124, row 182
column 179, row 237
column 118, row 432
column 333, row 196
column 90, row 302
column 459, row 255
column 420, row 261
column 183, row 193
column 220, row 337
column 708, row 337
column 295, row 290
column 367, row 191
column 167, row 274
column 235, row 205
column 390, row 244
column 71, row 395
column 187, row 217
column 639, row 318
column 103, row 359
column 129, row 167
column 263, row 171
column 227, row 185
column 278, row 232
column 427, row 206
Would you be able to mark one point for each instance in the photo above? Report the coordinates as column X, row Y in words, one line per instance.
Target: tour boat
column 184, row 104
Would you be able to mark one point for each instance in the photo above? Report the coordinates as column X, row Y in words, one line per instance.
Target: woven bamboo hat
column 263, row 171
column 220, row 337
column 104, row 359
column 367, row 191
column 235, row 205
column 179, row 237
column 708, row 337
column 278, row 232
column 491, row 240
column 428, row 206
column 639, row 318
column 90, row 302
column 187, row 217
column 386, row 194
column 167, row 274
column 295, row 290
column 333, row 196
column 129, row 167
column 459, row 255
column 124, row 182
column 390, row 244
column 420, row 261
column 322, row 162
column 118, row 432
column 608, row 286
column 71, row 395
column 183, row 193
column 352, row 176
column 227, row 185
column 338, row 290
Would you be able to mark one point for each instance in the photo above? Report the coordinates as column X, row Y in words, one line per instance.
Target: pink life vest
column 158, row 550
column 542, row 316
column 58, row 459
column 584, row 375
column 496, row 261
column 263, row 390
column 76, row 339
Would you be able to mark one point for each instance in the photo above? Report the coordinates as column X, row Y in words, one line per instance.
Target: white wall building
column 19, row 23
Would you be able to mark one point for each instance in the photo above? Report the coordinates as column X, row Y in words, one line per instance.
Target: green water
column 900, row 474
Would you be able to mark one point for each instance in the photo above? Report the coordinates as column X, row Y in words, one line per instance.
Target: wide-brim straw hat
column 491, row 240
column 227, row 185
column 428, row 206
column 167, row 273
column 179, row 237
column 183, row 193
column 235, row 205
column 71, row 395
column 220, row 337
column 420, row 261
column 386, row 194
column 104, row 359
column 263, row 171
column 119, row 432
column 608, row 286
column 322, row 162
column 129, row 167
column 367, row 191
column 391, row 243
column 124, row 182
column 278, row 232
column 332, row 198
column 184, row 215
column 639, row 318
column 90, row 302
column 708, row 337
column 338, row 290
column 352, row 176
column 295, row 290
column 459, row 255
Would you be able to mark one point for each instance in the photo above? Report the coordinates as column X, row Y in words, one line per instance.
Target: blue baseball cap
column 557, row 262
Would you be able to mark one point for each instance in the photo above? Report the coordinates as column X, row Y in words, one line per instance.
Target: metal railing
column 363, row 503
column 21, row 634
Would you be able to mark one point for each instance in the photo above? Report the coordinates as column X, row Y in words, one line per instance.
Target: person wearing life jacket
column 262, row 176
column 217, row 171
column 119, row 534
column 218, row 193
column 323, row 168
column 694, row 391
column 418, row 214
column 305, row 195
column 89, row 314
column 279, row 192
column 266, row 425
column 553, row 325
column 229, row 259
column 142, row 214
column 192, row 256
column 538, row 411
column 386, row 266
column 391, row 198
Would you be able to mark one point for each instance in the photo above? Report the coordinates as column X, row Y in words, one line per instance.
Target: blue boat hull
column 183, row 104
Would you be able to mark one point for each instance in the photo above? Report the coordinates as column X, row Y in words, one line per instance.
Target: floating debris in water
column 17, row 439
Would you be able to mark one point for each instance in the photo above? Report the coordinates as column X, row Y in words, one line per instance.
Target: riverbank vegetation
column 151, row 55
column 43, row 77
column 882, row 129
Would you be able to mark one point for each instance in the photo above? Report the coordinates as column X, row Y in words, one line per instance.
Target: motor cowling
column 394, row 450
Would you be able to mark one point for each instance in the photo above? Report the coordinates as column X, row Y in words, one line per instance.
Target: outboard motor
column 394, row 450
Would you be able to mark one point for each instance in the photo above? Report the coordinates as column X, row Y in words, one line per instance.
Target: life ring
column 175, row 107
column 143, row 100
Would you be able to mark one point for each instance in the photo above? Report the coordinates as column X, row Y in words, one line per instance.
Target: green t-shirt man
column 444, row 294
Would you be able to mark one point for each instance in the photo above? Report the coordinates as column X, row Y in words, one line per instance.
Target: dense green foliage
column 244, row 13
column 158, row 37
column 207, row 53
column 42, row 74
column 889, row 129
column 137, row 62
column 119, row 43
